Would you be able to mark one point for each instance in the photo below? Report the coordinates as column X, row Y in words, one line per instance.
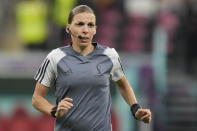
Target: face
column 83, row 24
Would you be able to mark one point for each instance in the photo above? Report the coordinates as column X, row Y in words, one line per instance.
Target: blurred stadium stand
column 156, row 40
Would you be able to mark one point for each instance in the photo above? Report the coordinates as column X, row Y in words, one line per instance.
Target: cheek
column 94, row 32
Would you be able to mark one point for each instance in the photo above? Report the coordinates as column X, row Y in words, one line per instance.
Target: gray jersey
column 85, row 79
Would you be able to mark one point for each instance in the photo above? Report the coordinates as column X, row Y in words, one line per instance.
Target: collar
column 86, row 58
column 95, row 44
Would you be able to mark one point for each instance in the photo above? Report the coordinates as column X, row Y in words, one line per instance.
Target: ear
column 67, row 28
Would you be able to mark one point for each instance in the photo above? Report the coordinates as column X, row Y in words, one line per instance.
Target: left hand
column 143, row 115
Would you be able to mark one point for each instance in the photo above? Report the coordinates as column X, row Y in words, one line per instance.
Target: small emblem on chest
column 69, row 71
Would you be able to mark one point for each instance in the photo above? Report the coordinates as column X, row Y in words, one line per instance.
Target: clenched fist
column 63, row 107
column 143, row 115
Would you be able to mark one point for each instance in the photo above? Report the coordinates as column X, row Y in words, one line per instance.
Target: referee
column 81, row 73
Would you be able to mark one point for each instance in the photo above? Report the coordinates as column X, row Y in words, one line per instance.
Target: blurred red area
column 20, row 120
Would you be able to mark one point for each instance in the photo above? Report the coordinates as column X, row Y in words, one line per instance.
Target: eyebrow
column 81, row 22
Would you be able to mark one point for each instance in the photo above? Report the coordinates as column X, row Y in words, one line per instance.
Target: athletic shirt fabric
column 85, row 79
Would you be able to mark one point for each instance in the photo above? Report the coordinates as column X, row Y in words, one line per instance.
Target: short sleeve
column 117, row 71
column 46, row 74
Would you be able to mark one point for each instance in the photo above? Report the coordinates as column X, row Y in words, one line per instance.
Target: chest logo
column 69, row 71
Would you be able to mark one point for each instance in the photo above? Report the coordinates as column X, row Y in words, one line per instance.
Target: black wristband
column 134, row 109
column 53, row 111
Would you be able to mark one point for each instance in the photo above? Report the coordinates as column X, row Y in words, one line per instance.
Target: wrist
column 134, row 108
column 53, row 111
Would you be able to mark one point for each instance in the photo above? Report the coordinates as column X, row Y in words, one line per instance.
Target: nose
column 85, row 29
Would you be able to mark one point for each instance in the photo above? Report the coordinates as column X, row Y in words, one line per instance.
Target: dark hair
column 77, row 10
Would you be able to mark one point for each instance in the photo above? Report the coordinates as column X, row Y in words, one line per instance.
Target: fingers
column 65, row 103
column 144, row 115
column 143, row 111
column 64, row 106
column 140, row 113
column 147, row 120
column 67, row 99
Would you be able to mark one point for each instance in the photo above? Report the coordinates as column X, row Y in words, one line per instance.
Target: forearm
column 38, row 100
column 41, row 104
column 126, row 91
column 129, row 96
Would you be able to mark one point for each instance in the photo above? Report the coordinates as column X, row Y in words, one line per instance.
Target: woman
column 81, row 74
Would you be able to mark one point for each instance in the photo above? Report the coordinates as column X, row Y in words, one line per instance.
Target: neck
column 84, row 50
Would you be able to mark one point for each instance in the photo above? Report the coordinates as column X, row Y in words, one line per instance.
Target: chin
column 84, row 44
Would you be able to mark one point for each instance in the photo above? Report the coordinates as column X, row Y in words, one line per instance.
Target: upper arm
column 47, row 72
column 40, row 90
column 121, row 82
column 117, row 70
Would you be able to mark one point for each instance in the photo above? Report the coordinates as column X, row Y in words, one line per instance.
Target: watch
column 53, row 111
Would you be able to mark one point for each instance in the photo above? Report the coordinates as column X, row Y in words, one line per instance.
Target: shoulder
column 56, row 54
column 110, row 52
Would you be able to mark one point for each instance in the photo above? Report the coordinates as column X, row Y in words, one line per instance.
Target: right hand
column 63, row 107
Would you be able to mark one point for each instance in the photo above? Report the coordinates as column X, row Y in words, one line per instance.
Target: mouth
column 84, row 39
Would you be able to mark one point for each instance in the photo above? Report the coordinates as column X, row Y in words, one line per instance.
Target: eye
column 91, row 25
column 80, row 24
